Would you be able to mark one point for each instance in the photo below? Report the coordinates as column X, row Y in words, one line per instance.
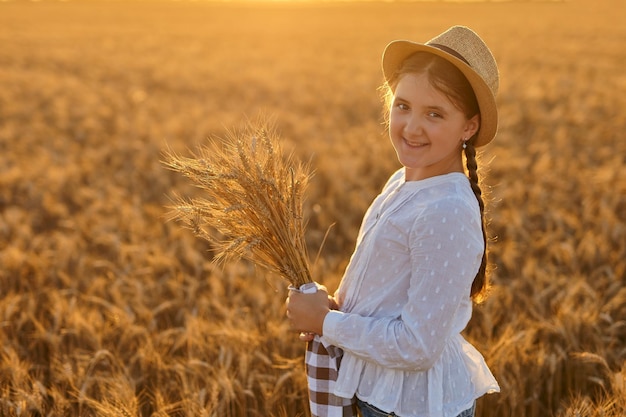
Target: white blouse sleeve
column 446, row 247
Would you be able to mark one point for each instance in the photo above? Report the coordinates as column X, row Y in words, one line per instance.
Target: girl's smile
column 427, row 129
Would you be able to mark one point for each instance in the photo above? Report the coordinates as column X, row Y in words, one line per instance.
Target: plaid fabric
column 322, row 364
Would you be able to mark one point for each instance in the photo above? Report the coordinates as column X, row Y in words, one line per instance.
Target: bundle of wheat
column 252, row 206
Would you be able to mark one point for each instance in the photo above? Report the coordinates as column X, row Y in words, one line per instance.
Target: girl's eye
column 434, row 114
column 402, row 106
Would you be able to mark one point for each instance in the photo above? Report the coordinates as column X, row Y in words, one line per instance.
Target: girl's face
column 426, row 129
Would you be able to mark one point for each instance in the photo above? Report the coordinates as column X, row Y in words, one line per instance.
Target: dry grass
column 107, row 309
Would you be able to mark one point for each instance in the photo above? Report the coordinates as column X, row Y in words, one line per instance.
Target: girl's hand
column 306, row 312
column 332, row 304
column 306, row 337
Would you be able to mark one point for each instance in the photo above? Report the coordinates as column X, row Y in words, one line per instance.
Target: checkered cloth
column 322, row 364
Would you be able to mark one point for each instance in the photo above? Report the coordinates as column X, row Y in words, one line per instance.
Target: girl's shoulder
column 395, row 178
column 449, row 194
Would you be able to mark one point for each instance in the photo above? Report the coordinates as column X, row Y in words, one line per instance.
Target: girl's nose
column 413, row 125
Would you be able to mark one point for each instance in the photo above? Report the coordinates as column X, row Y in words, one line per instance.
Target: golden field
column 106, row 309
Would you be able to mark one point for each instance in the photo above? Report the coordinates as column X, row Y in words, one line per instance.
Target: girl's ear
column 471, row 126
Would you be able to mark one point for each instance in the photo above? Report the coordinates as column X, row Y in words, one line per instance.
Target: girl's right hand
column 306, row 337
column 332, row 304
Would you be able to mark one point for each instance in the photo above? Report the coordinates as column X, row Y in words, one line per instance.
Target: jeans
column 368, row 410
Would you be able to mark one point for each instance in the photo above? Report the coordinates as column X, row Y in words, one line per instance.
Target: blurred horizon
column 287, row 1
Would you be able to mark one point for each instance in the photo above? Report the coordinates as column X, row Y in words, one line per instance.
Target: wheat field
column 107, row 309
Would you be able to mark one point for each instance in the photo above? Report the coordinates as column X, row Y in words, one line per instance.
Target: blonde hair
column 447, row 79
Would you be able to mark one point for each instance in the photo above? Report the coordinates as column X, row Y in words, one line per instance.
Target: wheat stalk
column 252, row 202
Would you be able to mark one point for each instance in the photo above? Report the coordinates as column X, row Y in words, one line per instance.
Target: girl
column 420, row 255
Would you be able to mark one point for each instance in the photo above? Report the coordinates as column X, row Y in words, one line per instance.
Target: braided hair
column 480, row 283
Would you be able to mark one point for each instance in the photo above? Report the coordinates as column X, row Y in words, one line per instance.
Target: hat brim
column 397, row 51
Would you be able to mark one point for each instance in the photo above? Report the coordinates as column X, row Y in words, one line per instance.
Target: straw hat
column 466, row 51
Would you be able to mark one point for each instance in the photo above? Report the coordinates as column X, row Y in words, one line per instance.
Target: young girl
column 420, row 255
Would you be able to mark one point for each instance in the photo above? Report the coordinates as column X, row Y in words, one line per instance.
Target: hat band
column 450, row 51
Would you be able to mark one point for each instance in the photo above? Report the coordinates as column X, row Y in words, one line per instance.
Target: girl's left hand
column 306, row 312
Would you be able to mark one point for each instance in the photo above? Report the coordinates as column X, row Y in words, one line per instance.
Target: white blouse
column 405, row 298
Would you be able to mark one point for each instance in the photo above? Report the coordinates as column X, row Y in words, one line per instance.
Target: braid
column 480, row 283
